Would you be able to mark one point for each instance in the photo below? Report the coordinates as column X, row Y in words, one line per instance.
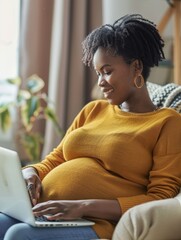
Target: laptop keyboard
column 44, row 219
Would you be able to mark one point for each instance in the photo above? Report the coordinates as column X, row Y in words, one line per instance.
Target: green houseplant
column 31, row 105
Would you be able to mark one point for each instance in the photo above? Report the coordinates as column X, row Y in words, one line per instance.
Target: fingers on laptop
column 32, row 192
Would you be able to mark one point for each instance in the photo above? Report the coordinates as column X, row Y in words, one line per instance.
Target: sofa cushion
column 168, row 95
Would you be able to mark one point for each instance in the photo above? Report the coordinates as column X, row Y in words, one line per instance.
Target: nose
column 101, row 82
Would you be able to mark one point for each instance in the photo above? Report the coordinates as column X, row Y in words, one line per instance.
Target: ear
column 137, row 66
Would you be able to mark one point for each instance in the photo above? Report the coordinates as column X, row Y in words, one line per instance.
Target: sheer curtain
column 50, row 46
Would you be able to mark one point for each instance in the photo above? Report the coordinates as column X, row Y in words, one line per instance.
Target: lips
column 107, row 92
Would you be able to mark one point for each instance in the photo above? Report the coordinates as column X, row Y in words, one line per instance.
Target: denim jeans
column 11, row 229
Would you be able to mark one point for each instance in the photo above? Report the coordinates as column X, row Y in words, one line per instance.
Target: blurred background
column 44, row 37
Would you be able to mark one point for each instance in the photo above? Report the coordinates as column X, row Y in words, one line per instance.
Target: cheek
column 123, row 82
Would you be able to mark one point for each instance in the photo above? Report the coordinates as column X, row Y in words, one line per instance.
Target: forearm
column 104, row 209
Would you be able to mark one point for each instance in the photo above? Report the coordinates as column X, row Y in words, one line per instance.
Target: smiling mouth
column 107, row 92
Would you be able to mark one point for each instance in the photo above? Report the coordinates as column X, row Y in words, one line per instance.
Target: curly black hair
column 132, row 37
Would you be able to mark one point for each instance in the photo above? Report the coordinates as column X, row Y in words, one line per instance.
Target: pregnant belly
column 81, row 178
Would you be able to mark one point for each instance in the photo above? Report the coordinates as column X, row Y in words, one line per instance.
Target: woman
column 118, row 152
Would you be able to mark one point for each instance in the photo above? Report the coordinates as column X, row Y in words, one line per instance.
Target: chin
column 113, row 102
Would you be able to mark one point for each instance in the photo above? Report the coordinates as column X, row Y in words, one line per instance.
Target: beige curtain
column 50, row 46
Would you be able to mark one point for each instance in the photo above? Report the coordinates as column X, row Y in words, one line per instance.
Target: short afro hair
column 132, row 37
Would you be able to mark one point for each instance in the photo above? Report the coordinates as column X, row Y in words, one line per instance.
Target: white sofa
column 156, row 220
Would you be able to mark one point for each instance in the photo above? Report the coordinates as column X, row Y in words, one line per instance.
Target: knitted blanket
column 168, row 95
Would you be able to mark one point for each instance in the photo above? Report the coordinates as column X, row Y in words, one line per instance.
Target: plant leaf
column 5, row 119
column 22, row 96
column 29, row 111
column 15, row 81
column 50, row 114
column 34, row 84
column 32, row 145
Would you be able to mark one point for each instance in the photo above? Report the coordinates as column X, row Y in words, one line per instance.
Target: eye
column 108, row 73
column 98, row 74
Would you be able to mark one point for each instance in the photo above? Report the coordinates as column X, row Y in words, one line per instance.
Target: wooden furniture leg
column 176, row 11
column 177, row 43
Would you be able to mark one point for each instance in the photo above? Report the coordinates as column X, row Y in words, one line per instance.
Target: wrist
column 86, row 207
column 100, row 208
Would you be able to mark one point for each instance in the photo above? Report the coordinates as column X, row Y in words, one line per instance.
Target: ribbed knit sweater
column 111, row 154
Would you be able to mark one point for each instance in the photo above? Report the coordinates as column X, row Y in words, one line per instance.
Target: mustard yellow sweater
column 110, row 154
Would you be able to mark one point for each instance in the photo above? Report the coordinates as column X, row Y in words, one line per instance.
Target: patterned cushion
column 168, row 95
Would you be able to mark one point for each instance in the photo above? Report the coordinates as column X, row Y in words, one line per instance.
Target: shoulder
column 170, row 112
column 92, row 110
column 171, row 118
column 96, row 105
column 88, row 113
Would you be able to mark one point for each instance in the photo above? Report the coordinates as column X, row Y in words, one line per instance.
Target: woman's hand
column 59, row 209
column 73, row 209
column 33, row 183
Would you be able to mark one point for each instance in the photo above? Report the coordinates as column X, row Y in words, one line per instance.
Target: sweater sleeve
column 165, row 175
column 56, row 157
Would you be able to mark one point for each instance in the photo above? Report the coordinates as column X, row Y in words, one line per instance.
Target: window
column 9, row 46
column 9, row 35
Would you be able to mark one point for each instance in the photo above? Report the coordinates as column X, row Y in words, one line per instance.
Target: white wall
column 151, row 9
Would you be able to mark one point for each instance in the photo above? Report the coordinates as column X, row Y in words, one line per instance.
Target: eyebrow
column 100, row 68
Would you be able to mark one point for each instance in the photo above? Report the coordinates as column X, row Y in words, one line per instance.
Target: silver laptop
column 14, row 198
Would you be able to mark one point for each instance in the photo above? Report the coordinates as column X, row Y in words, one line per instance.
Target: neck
column 139, row 104
column 140, row 109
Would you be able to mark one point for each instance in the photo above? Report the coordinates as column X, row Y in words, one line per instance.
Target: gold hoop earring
column 139, row 81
